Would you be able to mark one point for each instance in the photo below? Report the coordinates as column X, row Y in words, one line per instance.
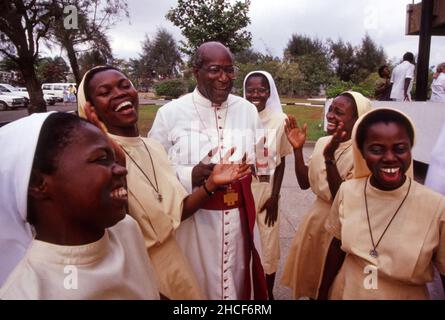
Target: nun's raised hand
column 295, row 134
column 337, row 137
column 93, row 118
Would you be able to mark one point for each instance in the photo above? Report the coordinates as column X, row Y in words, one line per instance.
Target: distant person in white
column 402, row 79
column 438, row 84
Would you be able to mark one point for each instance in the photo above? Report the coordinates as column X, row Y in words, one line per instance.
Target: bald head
column 208, row 50
column 214, row 71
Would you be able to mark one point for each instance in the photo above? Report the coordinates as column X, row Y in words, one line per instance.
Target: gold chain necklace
column 373, row 252
column 155, row 188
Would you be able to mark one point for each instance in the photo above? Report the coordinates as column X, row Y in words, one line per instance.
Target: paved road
column 10, row 115
column 294, row 204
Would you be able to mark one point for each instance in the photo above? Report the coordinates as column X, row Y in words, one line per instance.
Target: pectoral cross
column 230, row 197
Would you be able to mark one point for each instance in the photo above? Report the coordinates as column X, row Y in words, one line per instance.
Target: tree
column 316, row 74
column 286, row 74
column 52, row 69
column 344, row 59
column 94, row 19
column 369, row 58
column 356, row 63
column 23, row 23
column 300, row 45
column 212, row 20
column 90, row 59
column 251, row 56
column 161, row 56
column 137, row 74
column 312, row 57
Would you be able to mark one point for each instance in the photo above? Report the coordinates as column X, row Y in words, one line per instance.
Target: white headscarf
column 81, row 96
column 273, row 103
column 18, row 141
column 363, row 104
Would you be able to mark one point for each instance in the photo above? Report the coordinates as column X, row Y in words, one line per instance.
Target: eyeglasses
column 260, row 91
column 216, row 71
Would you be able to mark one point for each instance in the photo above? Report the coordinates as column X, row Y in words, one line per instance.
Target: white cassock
column 189, row 128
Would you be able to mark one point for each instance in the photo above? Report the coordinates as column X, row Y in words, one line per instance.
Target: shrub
column 170, row 88
column 366, row 88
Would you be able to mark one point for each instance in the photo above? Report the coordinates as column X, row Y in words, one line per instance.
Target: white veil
column 273, row 103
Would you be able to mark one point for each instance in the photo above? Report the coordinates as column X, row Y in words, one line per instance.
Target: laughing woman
column 260, row 89
column 156, row 198
column 329, row 165
column 391, row 229
column 64, row 233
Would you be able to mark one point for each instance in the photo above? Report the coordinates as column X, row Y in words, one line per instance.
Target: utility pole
column 426, row 22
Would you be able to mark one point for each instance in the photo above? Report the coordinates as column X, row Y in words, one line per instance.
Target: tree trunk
column 36, row 101
column 73, row 59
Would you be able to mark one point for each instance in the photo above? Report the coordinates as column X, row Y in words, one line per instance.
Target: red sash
column 246, row 206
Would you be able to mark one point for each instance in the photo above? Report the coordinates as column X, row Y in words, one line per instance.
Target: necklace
column 336, row 161
column 155, row 188
column 373, row 252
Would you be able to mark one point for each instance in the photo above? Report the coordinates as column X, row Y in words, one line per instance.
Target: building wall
column 428, row 117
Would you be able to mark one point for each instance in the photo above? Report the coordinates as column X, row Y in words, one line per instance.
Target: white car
column 57, row 89
column 7, row 88
column 10, row 101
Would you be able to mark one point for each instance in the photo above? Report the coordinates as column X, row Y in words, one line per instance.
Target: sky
column 274, row 22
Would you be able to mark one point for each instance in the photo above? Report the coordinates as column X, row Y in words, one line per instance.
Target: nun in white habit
column 58, row 172
column 260, row 89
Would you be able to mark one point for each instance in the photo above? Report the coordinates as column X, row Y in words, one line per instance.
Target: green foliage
column 160, row 57
column 285, row 74
column 52, row 69
column 316, row 74
column 250, row 56
column 92, row 58
column 356, row 63
column 337, row 87
column 366, row 87
column 301, row 45
column 313, row 61
column 170, row 88
column 212, row 20
column 343, row 58
column 369, row 57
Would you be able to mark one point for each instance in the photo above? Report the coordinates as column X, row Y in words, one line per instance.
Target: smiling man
column 196, row 130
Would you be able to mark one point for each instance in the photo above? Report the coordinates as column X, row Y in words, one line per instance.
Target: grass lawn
column 310, row 115
column 285, row 100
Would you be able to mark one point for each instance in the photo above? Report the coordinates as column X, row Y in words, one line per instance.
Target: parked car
column 49, row 98
column 10, row 101
column 56, row 89
column 22, row 92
